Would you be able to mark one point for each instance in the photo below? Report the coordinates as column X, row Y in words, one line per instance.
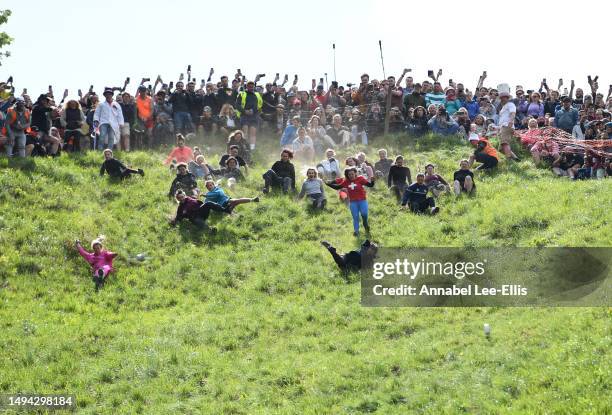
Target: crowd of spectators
column 306, row 121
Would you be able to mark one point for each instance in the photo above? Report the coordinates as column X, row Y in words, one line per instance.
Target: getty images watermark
column 461, row 277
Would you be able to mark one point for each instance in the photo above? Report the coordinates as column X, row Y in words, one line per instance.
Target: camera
column 146, row 79
column 188, row 68
column 334, row 84
column 261, row 75
column 349, row 84
column 10, row 80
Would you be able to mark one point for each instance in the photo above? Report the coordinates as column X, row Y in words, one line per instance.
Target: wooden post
column 388, row 110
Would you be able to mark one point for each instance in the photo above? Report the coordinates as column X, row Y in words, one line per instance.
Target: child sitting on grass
column 101, row 260
column 313, row 188
column 115, row 168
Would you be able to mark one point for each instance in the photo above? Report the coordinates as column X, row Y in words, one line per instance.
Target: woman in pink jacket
column 101, row 260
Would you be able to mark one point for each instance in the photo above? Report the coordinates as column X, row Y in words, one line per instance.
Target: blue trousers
column 182, row 122
column 359, row 207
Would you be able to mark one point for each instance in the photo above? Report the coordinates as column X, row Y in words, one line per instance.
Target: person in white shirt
column 329, row 169
column 506, row 124
column 108, row 118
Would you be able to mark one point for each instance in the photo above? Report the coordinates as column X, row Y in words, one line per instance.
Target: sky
column 72, row 44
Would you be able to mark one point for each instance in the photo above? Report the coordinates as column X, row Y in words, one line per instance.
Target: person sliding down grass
column 313, row 187
column 415, row 197
column 463, row 179
column 101, row 260
column 193, row 210
column 115, row 168
column 281, row 174
column 353, row 260
column 184, row 180
column 358, row 204
column 216, row 196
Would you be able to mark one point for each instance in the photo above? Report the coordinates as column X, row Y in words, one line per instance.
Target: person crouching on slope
column 115, row 168
column 415, row 197
column 101, row 260
column 358, row 203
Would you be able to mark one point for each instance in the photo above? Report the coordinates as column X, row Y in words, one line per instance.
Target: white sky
column 71, row 44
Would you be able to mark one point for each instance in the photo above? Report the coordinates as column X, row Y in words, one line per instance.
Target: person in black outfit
column 415, row 197
column 115, row 168
column 399, row 177
column 181, row 106
column 282, row 174
column 233, row 152
column 211, row 100
column 184, row 180
column 268, row 110
column 225, row 94
column 41, row 118
column 463, row 179
column 353, row 260
column 196, row 105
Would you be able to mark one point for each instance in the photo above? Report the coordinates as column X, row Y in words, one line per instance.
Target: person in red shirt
column 354, row 186
column 181, row 153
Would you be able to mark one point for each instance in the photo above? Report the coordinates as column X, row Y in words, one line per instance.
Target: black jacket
column 186, row 182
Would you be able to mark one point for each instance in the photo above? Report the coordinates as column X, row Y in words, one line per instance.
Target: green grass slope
column 256, row 319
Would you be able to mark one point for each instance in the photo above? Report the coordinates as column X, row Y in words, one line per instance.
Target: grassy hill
column 256, row 319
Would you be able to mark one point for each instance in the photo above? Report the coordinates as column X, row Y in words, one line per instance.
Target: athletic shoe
column 435, row 210
column 326, row 244
column 265, row 190
column 256, row 199
column 356, row 234
column 141, row 172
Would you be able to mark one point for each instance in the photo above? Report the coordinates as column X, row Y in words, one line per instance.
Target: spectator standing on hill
column 108, row 119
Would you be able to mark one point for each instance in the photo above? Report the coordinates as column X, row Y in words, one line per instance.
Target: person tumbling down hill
column 185, row 181
column 354, row 186
column 198, row 212
column 313, row 188
column 217, row 196
column 181, row 153
column 101, row 260
column 353, row 260
column 115, row 168
column 415, row 197
column 231, row 172
column 434, row 181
